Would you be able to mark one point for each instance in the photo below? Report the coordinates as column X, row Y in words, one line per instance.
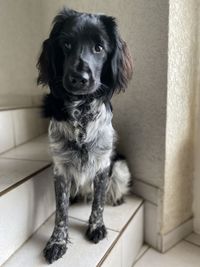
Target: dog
column 83, row 62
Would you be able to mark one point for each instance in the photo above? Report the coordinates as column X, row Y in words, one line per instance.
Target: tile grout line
column 13, row 128
column 18, row 249
column 119, row 236
column 37, row 160
column 3, row 192
column 145, row 182
column 120, row 233
column 81, row 220
column 20, row 107
column 22, row 144
column 192, row 243
column 141, row 256
column 146, row 200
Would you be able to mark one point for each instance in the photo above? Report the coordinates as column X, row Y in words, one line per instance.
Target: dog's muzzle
column 78, row 80
column 78, row 83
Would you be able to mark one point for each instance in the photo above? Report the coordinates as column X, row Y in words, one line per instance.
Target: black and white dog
column 84, row 61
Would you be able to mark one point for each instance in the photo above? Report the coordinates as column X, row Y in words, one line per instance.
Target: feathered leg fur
column 57, row 244
column 96, row 229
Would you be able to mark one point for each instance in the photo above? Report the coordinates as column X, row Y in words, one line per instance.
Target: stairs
column 27, row 205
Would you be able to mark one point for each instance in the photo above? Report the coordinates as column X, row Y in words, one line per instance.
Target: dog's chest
column 85, row 141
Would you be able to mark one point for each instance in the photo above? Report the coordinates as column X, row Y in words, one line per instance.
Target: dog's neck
column 72, row 109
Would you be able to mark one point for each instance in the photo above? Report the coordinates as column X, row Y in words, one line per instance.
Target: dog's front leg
column 96, row 230
column 57, row 244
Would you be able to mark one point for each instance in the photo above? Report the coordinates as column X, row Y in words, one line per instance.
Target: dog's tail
column 119, row 182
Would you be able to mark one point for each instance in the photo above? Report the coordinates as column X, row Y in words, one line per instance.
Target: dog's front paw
column 54, row 251
column 96, row 234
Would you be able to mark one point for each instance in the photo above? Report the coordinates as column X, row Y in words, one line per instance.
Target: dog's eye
column 68, row 45
column 98, row 48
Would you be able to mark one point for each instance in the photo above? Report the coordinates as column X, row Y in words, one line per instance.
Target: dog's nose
column 79, row 79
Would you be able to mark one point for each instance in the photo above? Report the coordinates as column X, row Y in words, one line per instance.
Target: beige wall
column 178, row 195
column 21, row 34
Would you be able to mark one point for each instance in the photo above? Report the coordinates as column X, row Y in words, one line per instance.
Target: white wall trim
column 146, row 191
column 172, row 238
column 152, row 235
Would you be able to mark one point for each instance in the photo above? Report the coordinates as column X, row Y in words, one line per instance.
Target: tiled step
column 24, row 161
column 119, row 249
column 27, row 200
column 26, row 194
column 19, row 125
column 36, row 150
column 23, row 209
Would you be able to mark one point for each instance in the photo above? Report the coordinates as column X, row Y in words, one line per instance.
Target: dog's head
column 83, row 55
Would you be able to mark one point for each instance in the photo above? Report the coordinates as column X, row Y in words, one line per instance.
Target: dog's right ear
column 50, row 62
column 44, row 65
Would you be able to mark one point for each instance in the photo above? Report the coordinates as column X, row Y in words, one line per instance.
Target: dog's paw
column 97, row 234
column 118, row 202
column 54, row 251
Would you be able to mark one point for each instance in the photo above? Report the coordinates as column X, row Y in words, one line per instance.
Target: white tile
column 176, row 235
column 151, row 224
column 42, row 139
column 32, row 150
column 114, row 217
column 81, row 253
column 194, row 238
column 27, row 124
column 6, row 131
column 142, row 251
column 182, row 255
column 132, row 239
column 146, row 191
column 43, row 125
column 114, row 258
column 23, row 210
column 13, row 171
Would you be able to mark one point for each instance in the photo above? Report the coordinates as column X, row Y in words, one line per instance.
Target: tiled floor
column 194, row 239
column 184, row 254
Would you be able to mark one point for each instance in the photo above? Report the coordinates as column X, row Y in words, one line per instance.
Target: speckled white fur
column 99, row 137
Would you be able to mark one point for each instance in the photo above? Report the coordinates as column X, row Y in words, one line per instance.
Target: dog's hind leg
column 120, row 181
column 57, row 244
column 96, row 230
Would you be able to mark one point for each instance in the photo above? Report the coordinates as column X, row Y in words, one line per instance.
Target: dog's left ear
column 119, row 67
column 121, row 63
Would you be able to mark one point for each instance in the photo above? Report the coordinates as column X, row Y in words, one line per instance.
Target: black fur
column 116, row 70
